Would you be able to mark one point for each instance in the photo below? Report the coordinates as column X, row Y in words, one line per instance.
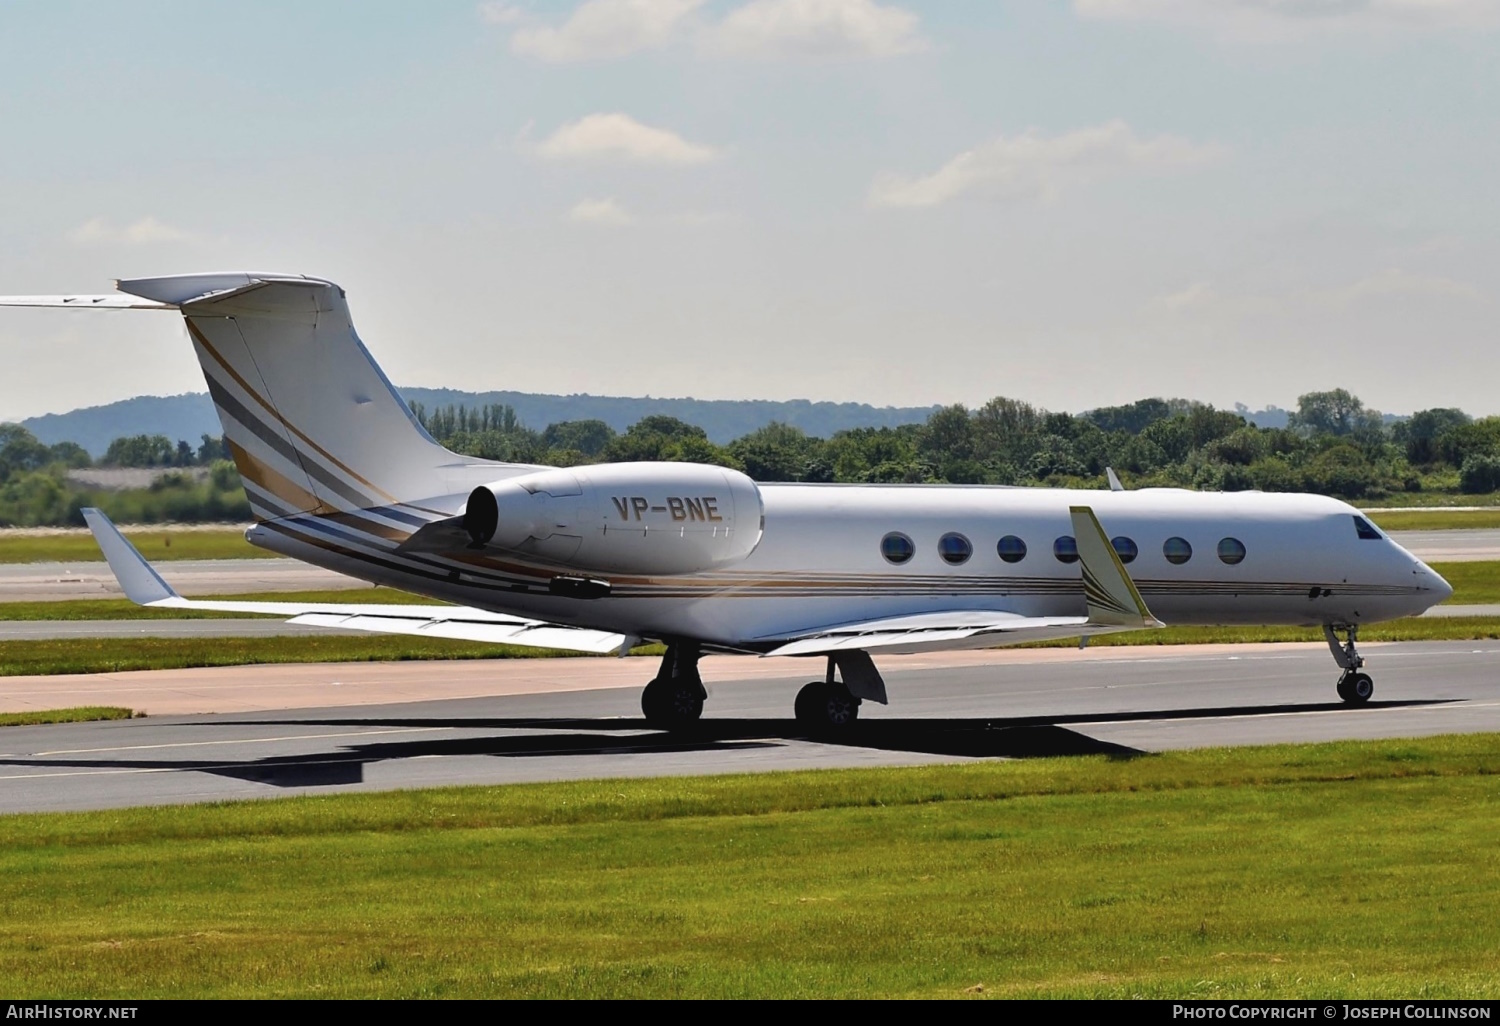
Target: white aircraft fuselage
column 819, row 562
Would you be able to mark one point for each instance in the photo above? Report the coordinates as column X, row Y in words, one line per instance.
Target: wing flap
column 531, row 633
column 931, row 632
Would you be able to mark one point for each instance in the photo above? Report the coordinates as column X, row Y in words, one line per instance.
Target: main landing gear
column 831, row 706
column 674, row 700
column 1355, row 687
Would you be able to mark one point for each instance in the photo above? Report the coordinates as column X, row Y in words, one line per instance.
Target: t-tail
column 312, row 423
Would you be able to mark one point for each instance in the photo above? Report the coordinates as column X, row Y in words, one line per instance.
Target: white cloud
column 1380, row 289
column 815, row 28
column 605, row 212
column 602, row 29
column 1195, row 296
column 147, row 231
column 1283, row 19
column 1031, row 166
column 606, row 29
column 621, row 137
column 496, row 13
column 1394, row 282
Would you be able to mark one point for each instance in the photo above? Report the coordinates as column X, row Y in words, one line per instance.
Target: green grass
column 1431, row 497
column 1454, row 628
column 1357, row 869
column 124, row 609
column 1437, row 520
column 156, row 545
column 114, row 655
column 77, row 714
column 1474, row 583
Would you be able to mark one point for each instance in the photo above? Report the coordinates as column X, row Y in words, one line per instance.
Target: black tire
column 1343, row 688
column 672, row 704
column 1359, row 689
column 824, row 708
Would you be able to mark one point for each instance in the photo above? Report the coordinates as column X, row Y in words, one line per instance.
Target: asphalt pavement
column 1021, row 705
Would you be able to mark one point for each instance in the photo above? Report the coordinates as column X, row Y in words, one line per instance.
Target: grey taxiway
column 1123, row 702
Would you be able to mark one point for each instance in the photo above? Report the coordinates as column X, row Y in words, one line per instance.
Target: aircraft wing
column 1113, row 602
column 144, row 586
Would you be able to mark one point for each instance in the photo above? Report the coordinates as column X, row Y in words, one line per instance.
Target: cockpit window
column 1365, row 529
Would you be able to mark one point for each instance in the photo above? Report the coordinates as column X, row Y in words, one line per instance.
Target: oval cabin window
column 897, row 548
column 1231, row 550
column 1065, row 549
column 1126, row 548
column 1177, row 551
column 1011, row 549
column 955, row 549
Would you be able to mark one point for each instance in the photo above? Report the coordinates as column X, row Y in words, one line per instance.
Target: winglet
column 142, row 584
column 1114, row 480
column 1112, row 595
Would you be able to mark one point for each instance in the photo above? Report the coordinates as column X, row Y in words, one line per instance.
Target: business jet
column 600, row 558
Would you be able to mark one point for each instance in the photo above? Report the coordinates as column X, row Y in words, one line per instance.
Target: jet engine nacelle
column 622, row 518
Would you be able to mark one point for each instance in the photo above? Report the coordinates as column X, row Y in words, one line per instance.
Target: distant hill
column 192, row 415
column 188, row 417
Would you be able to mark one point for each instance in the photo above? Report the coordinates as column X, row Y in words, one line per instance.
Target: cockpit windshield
column 1366, row 529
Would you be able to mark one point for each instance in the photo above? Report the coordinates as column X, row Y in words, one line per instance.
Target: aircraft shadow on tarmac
column 1015, row 737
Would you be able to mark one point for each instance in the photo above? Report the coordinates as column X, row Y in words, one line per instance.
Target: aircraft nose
column 1441, row 589
column 1431, row 588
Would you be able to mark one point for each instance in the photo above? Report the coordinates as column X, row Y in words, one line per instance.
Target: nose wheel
column 1355, row 687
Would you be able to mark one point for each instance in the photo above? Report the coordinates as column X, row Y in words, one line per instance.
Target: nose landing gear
column 1354, row 687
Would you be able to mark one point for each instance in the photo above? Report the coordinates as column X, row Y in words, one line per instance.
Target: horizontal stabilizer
column 144, row 586
column 116, row 302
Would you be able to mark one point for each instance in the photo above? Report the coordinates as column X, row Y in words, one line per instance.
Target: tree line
column 1332, row 444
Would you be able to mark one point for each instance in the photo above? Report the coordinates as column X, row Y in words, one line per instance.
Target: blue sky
column 1075, row 203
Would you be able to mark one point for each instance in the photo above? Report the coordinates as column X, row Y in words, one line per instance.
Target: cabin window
column 1365, row 529
column 1125, row 548
column 1231, row 550
column 1065, row 549
column 1177, row 551
column 955, row 549
column 1011, row 549
column 897, row 548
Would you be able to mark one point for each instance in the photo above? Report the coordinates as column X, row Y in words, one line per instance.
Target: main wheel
column 823, row 708
column 1356, row 688
column 672, row 704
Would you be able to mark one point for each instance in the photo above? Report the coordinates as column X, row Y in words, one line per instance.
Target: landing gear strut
column 1354, row 687
column 674, row 700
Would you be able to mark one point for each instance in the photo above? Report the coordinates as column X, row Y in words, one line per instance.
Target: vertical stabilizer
column 312, row 423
